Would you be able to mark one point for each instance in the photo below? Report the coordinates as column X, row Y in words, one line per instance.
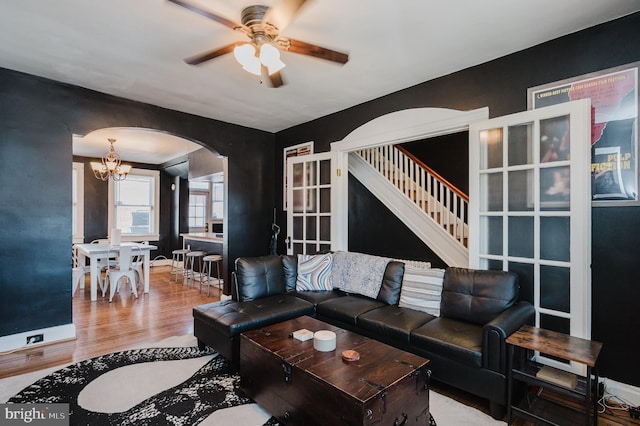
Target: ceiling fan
column 261, row 54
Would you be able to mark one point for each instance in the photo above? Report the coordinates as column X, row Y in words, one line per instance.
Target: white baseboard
column 628, row 393
column 50, row 335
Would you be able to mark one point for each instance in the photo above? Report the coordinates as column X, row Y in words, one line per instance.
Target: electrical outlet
column 36, row 338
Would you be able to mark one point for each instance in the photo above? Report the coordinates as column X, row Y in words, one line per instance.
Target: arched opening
column 186, row 170
column 397, row 128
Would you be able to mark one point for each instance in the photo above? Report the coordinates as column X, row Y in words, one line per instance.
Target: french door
column 530, row 210
column 310, row 204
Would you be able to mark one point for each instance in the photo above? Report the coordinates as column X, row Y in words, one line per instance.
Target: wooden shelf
column 557, row 345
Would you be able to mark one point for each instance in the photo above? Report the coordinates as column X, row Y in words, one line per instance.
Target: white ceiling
column 134, row 145
column 135, row 49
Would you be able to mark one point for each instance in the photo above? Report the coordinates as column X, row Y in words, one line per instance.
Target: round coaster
column 350, row 355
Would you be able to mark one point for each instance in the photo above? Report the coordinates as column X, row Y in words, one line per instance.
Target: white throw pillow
column 421, row 287
column 314, row 272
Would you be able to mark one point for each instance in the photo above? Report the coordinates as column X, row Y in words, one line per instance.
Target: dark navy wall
column 502, row 86
column 382, row 233
column 37, row 120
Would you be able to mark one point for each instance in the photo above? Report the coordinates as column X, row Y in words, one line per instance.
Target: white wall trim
column 394, row 128
column 628, row 393
column 409, row 125
column 78, row 232
column 51, row 335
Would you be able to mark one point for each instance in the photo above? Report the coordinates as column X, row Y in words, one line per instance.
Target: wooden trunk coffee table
column 300, row 385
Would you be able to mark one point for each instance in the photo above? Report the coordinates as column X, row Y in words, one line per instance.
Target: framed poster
column 614, row 128
column 292, row 151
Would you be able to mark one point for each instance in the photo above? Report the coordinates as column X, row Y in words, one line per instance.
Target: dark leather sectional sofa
column 466, row 343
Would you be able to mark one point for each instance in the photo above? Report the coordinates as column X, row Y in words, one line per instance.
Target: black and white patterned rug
column 164, row 386
column 211, row 388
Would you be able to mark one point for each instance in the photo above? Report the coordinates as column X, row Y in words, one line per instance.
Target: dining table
column 95, row 252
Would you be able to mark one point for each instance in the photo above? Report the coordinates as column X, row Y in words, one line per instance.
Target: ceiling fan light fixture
column 245, row 54
column 270, row 57
column 262, row 25
column 252, row 66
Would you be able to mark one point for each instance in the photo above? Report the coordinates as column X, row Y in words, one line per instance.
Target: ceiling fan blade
column 207, row 14
column 303, row 48
column 203, row 57
column 282, row 13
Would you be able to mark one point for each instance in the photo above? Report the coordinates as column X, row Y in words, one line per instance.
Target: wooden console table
column 556, row 345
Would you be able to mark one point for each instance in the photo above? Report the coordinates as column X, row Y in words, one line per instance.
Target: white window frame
column 215, row 200
column 154, row 235
column 207, row 214
column 77, row 231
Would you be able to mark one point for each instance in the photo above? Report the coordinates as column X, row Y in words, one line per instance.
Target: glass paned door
column 309, row 214
column 531, row 211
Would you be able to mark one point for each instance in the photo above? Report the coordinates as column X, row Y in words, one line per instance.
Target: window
column 197, row 210
column 134, row 205
column 206, row 204
column 199, row 196
column 217, row 200
column 77, row 197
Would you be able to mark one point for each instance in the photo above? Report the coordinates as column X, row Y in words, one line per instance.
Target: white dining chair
column 137, row 264
column 121, row 269
column 103, row 264
column 78, row 271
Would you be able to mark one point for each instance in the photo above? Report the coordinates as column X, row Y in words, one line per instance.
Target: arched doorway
column 175, row 159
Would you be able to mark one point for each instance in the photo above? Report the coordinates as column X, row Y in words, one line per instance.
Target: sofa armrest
column 494, row 333
column 234, row 288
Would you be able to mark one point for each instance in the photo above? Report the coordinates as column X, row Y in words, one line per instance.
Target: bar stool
column 178, row 261
column 190, row 272
column 206, row 270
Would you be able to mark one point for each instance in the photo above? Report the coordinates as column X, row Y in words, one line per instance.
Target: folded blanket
column 358, row 272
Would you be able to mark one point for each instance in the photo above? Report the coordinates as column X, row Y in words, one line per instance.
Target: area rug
column 172, row 383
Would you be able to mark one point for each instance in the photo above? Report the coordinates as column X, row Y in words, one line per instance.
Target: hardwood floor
column 126, row 323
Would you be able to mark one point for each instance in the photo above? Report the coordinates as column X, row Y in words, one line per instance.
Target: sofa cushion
column 258, row 277
column 393, row 323
column 290, row 267
column 421, row 287
column 456, row 340
column 477, row 296
column 232, row 318
column 347, row 308
column 391, row 283
column 316, row 297
column 314, row 272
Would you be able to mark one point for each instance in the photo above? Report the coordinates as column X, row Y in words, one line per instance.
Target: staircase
column 430, row 206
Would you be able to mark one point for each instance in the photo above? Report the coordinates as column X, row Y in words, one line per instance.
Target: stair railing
column 430, row 192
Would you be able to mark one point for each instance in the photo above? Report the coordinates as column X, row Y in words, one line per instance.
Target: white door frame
column 393, row 128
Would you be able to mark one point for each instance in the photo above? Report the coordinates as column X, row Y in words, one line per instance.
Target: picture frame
column 614, row 141
column 305, row 148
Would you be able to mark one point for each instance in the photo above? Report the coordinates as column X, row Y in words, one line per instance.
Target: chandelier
column 111, row 166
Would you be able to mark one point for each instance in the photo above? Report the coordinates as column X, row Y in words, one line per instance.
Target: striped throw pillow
column 314, row 272
column 421, row 288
